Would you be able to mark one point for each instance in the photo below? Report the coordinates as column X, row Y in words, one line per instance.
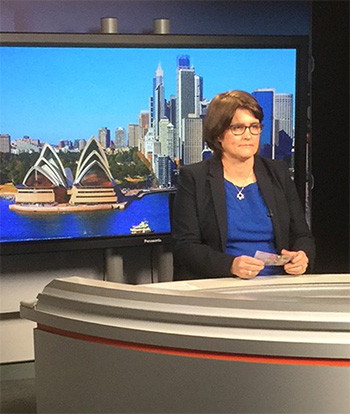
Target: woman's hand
column 298, row 264
column 246, row 267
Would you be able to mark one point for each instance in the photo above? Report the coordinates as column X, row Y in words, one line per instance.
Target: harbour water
column 17, row 226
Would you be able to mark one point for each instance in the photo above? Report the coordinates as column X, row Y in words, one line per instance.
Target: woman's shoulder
column 277, row 170
column 200, row 167
column 278, row 166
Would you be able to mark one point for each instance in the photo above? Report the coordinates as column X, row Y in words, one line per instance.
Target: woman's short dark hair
column 220, row 113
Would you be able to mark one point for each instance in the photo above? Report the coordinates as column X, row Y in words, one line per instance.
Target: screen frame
column 302, row 102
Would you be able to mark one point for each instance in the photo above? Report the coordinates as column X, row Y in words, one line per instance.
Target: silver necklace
column 240, row 195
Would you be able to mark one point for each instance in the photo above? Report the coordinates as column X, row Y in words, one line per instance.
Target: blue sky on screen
column 56, row 94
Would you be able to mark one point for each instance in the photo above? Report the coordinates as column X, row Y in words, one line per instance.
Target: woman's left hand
column 298, row 264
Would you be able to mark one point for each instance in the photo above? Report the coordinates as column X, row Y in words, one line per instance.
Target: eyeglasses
column 239, row 129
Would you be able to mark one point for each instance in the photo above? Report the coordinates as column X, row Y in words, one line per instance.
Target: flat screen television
column 95, row 127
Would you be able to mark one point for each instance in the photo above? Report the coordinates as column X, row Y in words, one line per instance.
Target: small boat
column 143, row 227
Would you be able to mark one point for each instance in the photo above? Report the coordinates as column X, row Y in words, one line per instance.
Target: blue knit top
column 249, row 227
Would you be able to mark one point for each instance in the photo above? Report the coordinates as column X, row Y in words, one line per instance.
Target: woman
column 228, row 207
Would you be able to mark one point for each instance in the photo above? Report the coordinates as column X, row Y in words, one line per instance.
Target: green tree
column 13, row 168
column 69, row 160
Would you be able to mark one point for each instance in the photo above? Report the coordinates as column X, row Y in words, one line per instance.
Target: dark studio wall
column 136, row 16
column 330, row 134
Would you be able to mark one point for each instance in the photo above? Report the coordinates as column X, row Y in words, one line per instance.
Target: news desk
column 267, row 345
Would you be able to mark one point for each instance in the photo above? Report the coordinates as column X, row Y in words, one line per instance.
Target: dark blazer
column 199, row 222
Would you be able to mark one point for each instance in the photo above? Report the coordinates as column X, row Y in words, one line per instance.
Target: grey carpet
column 18, row 396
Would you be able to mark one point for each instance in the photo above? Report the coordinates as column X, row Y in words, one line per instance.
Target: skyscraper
column 5, row 143
column 198, row 94
column 163, row 170
column 104, row 137
column 170, row 109
column 284, row 127
column 207, row 152
column 81, row 144
column 284, row 113
column 163, row 136
column 144, row 121
column 143, row 128
column 120, row 138
column 171, row 142
column 158, row 98
column 266, row 99
column 183, row 61
column 151, row 112
column 152, row 147
column 203, row 107
column 193, row 142
column 185, row 96
column 133, row 132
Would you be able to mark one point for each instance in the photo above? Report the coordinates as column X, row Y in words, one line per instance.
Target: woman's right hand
column 246, row 267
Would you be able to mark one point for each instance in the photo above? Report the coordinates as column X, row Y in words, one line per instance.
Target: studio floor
column 17, row 392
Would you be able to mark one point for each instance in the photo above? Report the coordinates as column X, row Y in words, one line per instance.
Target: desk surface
column 305, row 316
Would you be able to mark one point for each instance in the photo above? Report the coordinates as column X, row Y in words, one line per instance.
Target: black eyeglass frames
column 239, row 129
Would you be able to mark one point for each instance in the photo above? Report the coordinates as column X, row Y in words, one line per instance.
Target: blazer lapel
column 217, row 186
column 264, row 180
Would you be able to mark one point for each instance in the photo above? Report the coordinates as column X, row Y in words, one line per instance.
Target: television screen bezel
column 302, row 101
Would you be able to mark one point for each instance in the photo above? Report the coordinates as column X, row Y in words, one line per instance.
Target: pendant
column 240, row 195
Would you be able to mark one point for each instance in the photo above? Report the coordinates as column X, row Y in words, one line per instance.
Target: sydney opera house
column 47, row 182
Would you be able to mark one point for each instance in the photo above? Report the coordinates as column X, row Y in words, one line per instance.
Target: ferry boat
column 143, row 227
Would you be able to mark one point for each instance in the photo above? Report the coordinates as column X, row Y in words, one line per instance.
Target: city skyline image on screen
column 93, row 137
